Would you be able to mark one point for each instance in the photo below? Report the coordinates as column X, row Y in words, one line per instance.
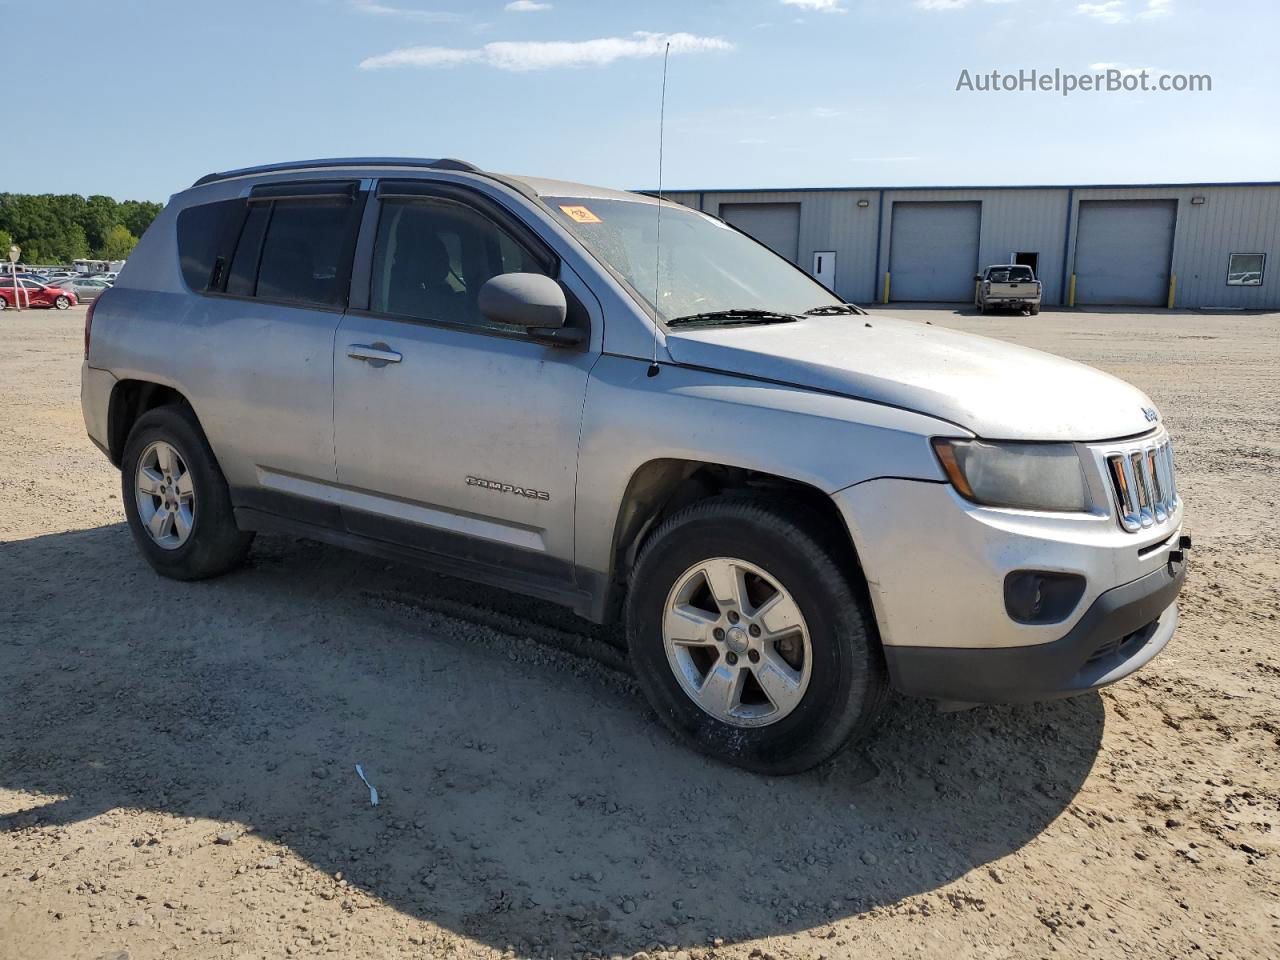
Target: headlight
column 1032, row 476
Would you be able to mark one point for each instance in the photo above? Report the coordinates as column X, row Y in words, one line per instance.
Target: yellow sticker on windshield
column 580, row 214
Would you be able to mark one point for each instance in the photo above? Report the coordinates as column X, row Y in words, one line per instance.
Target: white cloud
column 1117, row 11
column 520, row 56
column 526, row 6
column 410, row 13
column 817, row 6
column 1112, row 11
column 952, row 4
column 823, row 113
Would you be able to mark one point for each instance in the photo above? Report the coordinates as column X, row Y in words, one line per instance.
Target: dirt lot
column 177, row 760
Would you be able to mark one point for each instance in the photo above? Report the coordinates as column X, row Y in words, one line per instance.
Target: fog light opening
column 1042, row 596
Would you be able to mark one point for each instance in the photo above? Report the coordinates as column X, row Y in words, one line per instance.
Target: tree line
column 61, row 227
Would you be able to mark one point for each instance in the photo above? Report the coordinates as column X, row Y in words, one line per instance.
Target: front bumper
column 1123, row 630
column 936, row 564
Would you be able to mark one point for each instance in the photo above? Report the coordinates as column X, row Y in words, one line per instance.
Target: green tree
column 119, row 243
column 61, row 227
column 6, row 242
column 98, row 215
column 138, row 214
column 74, row 245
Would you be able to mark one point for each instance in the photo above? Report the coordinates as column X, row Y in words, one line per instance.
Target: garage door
column 933, row 250
column 1123, row 251
column 776, row 225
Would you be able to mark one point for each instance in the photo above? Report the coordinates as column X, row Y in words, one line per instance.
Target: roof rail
column 441, row 164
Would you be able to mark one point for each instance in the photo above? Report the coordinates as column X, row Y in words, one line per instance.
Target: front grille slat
column 1143, row 484
column 1152, row 468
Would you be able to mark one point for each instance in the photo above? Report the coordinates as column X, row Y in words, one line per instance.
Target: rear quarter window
column 203, row 231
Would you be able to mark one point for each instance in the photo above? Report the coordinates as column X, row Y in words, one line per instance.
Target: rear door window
column 302, row 255
column 295, row 244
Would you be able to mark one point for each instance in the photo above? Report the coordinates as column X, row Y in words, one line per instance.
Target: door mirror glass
column 524, row 300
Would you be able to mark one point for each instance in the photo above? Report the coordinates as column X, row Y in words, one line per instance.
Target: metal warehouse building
column 1162, row 245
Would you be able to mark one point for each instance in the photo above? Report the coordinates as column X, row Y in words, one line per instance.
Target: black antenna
column 657, row 266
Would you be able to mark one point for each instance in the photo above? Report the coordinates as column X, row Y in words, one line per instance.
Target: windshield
column 707, row 266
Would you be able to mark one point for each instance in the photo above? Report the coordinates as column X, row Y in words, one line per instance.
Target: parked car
column 1007, row 286
column 793, row 506
column 35, row 294
column 108, row 276
column 86, row 289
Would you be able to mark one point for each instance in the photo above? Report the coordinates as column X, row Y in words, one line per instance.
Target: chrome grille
column 1142, row 481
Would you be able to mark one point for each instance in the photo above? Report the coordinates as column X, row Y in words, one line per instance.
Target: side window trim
column 255, row 261
column 477, row 202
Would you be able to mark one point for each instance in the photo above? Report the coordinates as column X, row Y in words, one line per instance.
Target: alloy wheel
column 737, row 642
column 165, row 494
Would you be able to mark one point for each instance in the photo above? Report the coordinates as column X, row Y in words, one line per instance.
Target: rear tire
column 1035, row 310
column 189, row 531
column 4, row 304
column 832, row 690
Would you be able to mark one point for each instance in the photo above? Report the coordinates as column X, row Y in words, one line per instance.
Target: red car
column 34, row 295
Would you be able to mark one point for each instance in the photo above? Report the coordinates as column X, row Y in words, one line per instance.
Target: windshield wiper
column 835, row 309
column 720, row 318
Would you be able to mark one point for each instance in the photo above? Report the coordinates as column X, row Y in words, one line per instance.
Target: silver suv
column 795, row 506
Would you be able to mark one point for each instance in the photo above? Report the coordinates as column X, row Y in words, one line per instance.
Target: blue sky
column 137, row 98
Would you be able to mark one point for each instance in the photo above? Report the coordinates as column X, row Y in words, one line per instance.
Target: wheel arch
column 661, row 487
column 130, row 399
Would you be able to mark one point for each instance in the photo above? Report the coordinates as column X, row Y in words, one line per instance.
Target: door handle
column 374, row 354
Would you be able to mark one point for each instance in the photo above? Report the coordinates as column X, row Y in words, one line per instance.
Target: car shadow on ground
column 528, row 796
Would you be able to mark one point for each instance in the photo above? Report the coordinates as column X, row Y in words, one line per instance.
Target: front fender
column 826, row 441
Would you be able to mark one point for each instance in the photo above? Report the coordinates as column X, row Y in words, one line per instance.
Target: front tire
column 4, row 304
column 62, row 303
column 748, row 638
column 176, row 499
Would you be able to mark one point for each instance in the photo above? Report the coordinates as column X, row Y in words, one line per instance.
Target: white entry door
column 824, row 268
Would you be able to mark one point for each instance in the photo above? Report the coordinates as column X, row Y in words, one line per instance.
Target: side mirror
column 978, row 277
column 524, row 300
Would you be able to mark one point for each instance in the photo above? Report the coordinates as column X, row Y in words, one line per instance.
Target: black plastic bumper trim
column 1137, row 618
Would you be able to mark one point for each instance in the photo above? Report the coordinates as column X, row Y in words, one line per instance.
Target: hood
column 994, row 389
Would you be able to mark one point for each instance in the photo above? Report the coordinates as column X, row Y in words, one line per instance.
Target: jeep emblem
column 1150, row 414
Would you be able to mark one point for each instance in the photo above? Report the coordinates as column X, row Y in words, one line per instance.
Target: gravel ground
column 177, row 760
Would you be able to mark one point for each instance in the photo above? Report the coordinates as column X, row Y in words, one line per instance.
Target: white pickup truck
column 1009, row 285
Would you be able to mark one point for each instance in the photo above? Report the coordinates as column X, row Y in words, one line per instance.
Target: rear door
column 277, row 268
column 456, row 435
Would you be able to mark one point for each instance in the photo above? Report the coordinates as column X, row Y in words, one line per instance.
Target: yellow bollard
column 1071, row 292
column 886, row 286
column 1173, row 290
